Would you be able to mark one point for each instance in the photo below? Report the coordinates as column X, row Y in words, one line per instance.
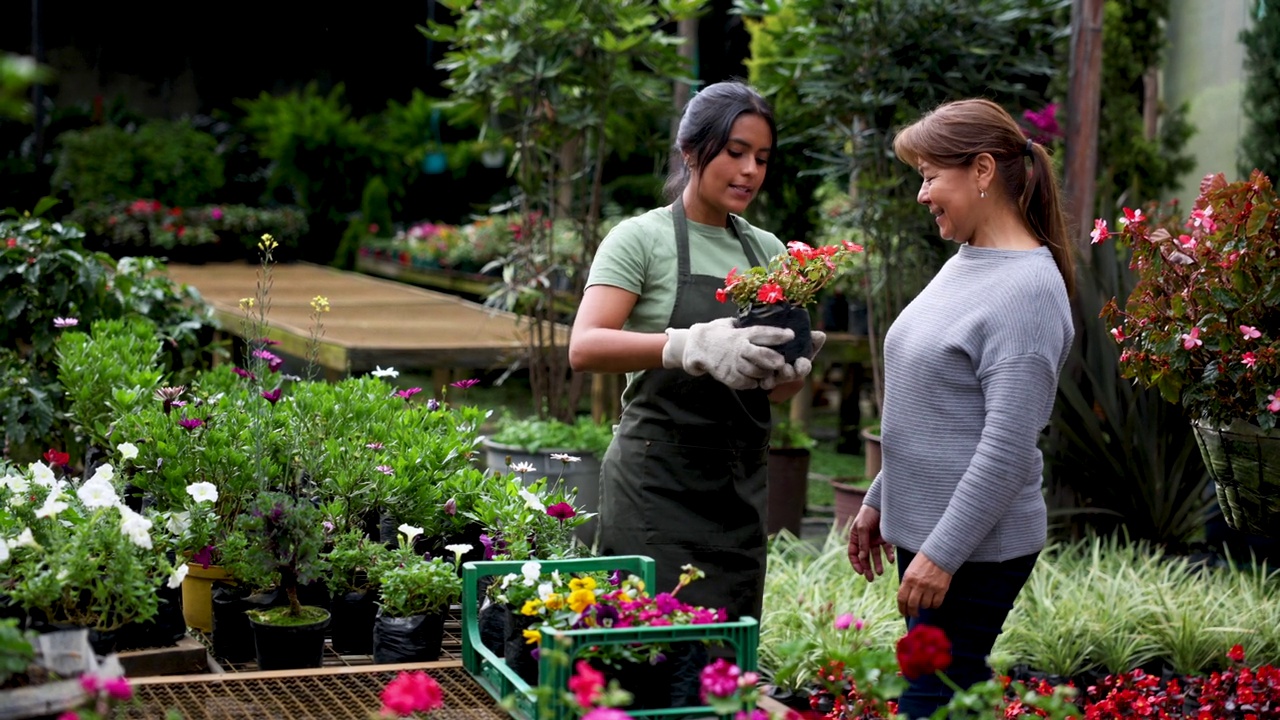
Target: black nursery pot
column 351, row 626
column 782, row 315
column 416, row 638
column 164, row 630
column 516, row 652
column 232, row 635
column 288, row 647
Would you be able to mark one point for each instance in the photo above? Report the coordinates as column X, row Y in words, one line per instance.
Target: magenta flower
column 719, row 679
column 118, row 689
column 1249, row 359
column 385, row 469
column 666, row 603
column 244, row 373
column 1191, row 340
column 274, row 362
column 606, row 713
column 190, row 423
column 1046, row 122
column 1250, row 332
column 487, row 542
column 203, row 557
column 406, row 394
column 268, row 341
column 1099, row 233
column 90, row 684
column 65, row 322
column 451, row 507
column 1274, row 406
column 374, row 445
column 464, row 384
column 561, row 511
column 844, row 621
column 272, row 396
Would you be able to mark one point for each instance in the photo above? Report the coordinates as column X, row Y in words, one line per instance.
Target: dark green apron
column 684, row 480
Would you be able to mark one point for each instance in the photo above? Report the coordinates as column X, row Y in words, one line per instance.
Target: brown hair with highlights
column 956, row 133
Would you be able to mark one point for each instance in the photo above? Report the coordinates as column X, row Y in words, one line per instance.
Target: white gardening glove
column 800, row 368
column 735, row 356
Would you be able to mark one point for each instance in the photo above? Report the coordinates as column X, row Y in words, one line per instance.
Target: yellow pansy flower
column 531, row 607
column 555, row 601
column 532, row 637
column 586, row 583
column 580, row 600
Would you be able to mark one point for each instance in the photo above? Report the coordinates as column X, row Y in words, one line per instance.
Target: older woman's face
column 951, row 194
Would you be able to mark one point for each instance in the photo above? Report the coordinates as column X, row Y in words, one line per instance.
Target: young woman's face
column 951, row 195
column 731, row 180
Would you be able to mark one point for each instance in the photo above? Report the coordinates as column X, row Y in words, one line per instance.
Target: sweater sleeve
column 1014, row 392
column 873, row 493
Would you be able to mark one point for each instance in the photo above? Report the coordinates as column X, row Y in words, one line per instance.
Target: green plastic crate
column 492, row 673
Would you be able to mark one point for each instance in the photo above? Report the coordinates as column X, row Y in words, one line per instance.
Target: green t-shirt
column 639, row 256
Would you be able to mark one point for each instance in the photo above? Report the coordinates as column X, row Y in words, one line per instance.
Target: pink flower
column 586, row 684
column 1132, row 216
column 244, row 373
column 90, row 683
column 1250, row 332
column 719, row 679
column 273, row 396
column 1275, row 402
column 118, row 689
column 374, row 445
column 406, row 394
column 65, row 322
column 216, row 213
column 190, row 423
column 1099, row 233
column 770, row 293
column 1191, row 340
column 844, row 621
column 464, row 384
column 411, row 692
column 1118, row 334
column 451, row 507
column 385, row 469
column 1203, row 219
column 1187, row 242
column 69, row 715
column 561, row 511
column 1249, row 359
column 606, row 713
column 1046, row 121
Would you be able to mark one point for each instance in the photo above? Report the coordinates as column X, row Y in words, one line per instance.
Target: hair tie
column 1027, row 150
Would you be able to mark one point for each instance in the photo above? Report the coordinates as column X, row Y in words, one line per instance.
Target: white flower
column 531, row 571
column 458, row 550
column 203, row 492
column 410, row 532
column 545, row 590
column 24, row 538
column 52, row 505
column 128, row 451
column 104, row 473
column 178, row 522
column 175, row 580
column 135, row 527
column 97, row 493
column 42, row 475
column 523, row 467
column 4, row 551
column 390, row 372
column 507, row 580
column 16, row 484
column 531, row 501
column 565, row 457
column 555, row 577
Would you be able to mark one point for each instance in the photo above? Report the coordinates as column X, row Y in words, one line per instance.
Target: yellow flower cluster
column 268, row 243
column 320, row 304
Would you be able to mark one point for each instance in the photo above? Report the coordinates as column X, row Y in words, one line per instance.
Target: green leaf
column 1225, row 298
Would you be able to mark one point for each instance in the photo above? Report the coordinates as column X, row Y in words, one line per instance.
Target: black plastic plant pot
column 232, row 635
column 416, row 638
column 351, row 626
column 517, row 652
column 289, row 647
column 782, row 315
column 164, row 630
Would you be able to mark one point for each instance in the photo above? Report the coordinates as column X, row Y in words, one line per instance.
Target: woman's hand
column 865, row 544
column 924, row 585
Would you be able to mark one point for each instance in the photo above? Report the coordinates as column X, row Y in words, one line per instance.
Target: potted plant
column 354, row 606
column 78, row 557
column 415, row 597
column 1202, row 324
column 286, row 534
column 780, row 293
column 789, row 450
column 570, row 453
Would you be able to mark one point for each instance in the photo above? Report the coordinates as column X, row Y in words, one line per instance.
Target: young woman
column 971, row 372
column 684, row 479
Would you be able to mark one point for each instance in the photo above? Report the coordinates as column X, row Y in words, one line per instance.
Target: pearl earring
column 982, row 194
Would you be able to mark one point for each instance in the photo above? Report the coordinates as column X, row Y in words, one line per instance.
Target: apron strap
column 682, row 240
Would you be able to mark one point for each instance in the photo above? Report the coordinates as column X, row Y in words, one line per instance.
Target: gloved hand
column 736, row 356
column 800, row 368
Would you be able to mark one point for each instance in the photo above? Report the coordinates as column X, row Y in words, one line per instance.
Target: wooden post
column 1084, row 96
column 687, row 29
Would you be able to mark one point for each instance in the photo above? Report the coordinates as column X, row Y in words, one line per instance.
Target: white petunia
column 24, row 538
column 127, row 450
column 378, row 372
column 531, row 501
column 459, row 549
column 507, row 580
column 97, row 493
column 523, row 467
column 178, row 522
column 4, row 551
column 410, row 532
column 203, row 492
column 175, row 580
column 531, row 570
column 16, row 484
column 545, row 591
column 41, row 474
column 565, row 457
column 135, row 527
column 555, row 578
column 103, row 473
column 52, row 505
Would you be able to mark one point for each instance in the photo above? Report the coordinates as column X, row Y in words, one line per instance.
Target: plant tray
column 339, row 693
column 493, row 674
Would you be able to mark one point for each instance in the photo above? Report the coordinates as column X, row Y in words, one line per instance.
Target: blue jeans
column 972, row 615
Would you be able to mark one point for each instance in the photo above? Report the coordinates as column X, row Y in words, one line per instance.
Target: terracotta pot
column 788, row 489
column 849, row 499
column 197, row 600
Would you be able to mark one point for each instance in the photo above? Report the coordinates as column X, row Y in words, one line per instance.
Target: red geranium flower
column 56, row 458
column 923, row 651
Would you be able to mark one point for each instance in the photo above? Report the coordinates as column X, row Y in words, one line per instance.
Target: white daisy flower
column 523, row 467
column 390, row 372
column 565, row 457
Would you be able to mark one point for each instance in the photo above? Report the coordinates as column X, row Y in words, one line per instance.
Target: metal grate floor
column 339, row 693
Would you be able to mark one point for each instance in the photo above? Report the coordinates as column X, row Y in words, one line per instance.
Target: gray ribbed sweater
column 971, row 371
